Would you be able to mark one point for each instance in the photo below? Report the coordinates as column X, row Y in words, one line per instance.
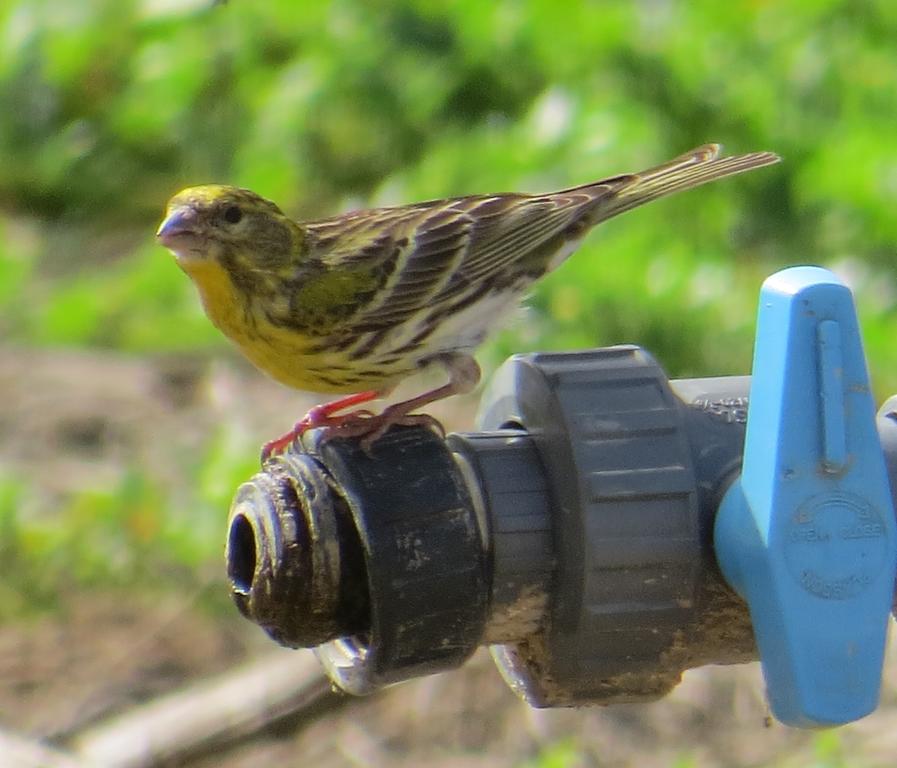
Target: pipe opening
column 242, row 557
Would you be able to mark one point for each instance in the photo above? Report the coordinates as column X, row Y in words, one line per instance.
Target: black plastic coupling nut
column 636, row 465
column 375, row 557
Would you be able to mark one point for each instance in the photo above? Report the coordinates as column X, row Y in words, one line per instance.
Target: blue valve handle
column 807, row 533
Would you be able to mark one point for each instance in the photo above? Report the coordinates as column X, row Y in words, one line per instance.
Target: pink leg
column 464, row 374
column 319, row 416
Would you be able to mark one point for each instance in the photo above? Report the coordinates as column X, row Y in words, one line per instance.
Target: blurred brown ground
column 74, row 420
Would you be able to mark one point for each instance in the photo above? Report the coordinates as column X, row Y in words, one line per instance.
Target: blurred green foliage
column 560, row 754
column 107, row 107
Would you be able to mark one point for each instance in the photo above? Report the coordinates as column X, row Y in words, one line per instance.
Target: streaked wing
column 446, row 253
column 438, row 251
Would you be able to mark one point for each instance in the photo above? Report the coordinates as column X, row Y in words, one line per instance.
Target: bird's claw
column 359, row 423
column 316, row 417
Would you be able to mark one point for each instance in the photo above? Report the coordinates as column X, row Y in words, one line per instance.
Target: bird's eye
column 233, row 214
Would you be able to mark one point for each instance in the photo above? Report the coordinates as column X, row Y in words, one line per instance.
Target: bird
column 354, row 304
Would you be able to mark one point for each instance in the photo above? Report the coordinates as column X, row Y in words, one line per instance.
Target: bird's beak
column 178, row 222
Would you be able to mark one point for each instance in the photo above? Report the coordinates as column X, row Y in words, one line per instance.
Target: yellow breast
column 220, row 300
column 283, row 353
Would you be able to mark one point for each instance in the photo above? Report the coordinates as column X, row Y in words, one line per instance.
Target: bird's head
column 227, row 226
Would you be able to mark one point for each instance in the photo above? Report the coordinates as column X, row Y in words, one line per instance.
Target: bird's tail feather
column 699, row 166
